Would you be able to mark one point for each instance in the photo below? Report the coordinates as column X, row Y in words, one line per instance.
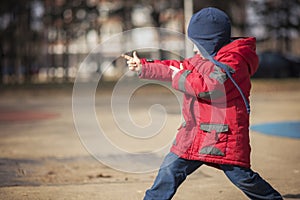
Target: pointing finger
column 126, row 57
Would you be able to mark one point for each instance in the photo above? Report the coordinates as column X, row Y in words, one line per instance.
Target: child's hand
column 134, row 63
column 175, row 69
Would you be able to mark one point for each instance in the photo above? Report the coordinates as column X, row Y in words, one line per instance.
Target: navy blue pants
column 174, row 171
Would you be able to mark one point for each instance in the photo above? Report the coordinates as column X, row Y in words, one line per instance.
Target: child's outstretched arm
column 152, row 69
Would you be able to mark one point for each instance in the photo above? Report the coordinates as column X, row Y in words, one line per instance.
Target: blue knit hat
column 210, row 28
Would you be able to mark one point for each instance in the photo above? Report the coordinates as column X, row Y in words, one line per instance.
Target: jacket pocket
column 214, row 141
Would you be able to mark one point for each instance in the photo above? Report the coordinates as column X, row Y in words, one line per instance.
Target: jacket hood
column 245, row 48
column 210, row 28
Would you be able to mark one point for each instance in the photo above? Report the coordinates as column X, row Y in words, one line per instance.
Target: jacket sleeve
column 158, row 69
column 207, row 83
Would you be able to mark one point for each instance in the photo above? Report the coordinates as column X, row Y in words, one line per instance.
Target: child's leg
column 172, row 173
column 250, row 183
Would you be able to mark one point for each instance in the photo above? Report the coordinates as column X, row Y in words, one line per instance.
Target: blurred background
column 44, row 41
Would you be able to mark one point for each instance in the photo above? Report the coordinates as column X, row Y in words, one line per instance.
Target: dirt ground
column 42, row 156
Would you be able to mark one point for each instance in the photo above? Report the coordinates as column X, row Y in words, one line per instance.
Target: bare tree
column 281, row 20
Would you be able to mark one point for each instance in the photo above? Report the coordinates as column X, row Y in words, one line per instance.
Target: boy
column 215, row 109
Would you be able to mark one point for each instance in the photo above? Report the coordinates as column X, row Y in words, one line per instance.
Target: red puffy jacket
column 216, row 127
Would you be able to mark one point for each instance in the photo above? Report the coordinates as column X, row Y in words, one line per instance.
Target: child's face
column 196, row 50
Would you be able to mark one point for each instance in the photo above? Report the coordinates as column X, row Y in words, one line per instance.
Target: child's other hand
column 134, row 63
column 175, row 69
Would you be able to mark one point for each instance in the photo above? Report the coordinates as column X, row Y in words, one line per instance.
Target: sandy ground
column 42, row 156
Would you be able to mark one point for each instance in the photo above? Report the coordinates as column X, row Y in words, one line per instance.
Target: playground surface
column 42, row 156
